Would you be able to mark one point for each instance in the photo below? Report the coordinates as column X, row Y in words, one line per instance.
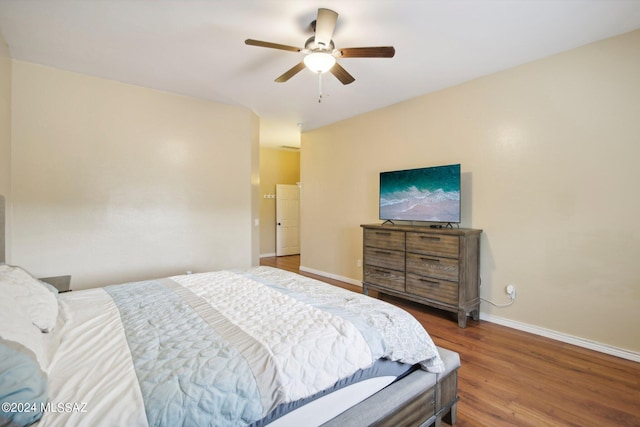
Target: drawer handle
column 430, row 238
column 433, row 260
column 433, row 282
column 383, row 253
column 380, row 271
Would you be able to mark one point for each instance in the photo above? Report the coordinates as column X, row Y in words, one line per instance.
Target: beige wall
column 277, row 166
column 113, row 182
column 5, row 139
column 5, row 118
column 549, row 153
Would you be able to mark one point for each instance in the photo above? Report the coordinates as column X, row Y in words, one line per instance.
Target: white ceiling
column 196, row 47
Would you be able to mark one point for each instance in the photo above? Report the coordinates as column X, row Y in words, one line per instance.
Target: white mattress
column 323, row 409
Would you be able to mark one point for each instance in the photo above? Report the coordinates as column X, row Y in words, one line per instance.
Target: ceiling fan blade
column 259, row 43
column 291, row 72
column 368, row 52
column 342, row 74
column 325, row 24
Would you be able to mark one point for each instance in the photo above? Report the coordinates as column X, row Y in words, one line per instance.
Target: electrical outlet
column 359, row 263
column 511, row 291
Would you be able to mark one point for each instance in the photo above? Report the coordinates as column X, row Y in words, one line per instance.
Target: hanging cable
column 498, row 305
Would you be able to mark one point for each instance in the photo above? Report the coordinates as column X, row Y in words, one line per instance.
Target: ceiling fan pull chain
column 319, row 88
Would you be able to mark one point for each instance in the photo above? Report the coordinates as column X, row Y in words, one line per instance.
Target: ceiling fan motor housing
column 312, row 46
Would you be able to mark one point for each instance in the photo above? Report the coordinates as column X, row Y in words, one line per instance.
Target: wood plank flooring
column 513, row 378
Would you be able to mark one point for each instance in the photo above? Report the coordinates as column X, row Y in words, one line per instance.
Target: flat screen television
column 424, row 194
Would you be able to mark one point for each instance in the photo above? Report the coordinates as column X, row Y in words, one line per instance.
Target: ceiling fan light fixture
column 319, row 62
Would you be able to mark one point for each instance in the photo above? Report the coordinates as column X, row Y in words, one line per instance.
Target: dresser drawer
column 384, row 277
column 384, row 258
column 385, row 239
column 433, row 244
column 425, row 265
column 438, row 290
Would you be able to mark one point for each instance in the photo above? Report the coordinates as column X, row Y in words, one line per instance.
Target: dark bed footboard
column 448, row 393
column 416, row 400
column 419, row 399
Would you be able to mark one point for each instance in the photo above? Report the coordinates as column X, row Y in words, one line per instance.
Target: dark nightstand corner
column 61, row 283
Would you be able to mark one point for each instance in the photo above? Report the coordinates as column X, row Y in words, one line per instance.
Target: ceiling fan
column 321, row 53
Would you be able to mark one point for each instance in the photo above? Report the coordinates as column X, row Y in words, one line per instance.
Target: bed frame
column 419, row 399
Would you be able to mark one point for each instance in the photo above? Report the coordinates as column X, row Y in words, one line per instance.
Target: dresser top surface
column 423, row 229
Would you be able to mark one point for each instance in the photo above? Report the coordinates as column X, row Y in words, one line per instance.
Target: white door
column 287, row 219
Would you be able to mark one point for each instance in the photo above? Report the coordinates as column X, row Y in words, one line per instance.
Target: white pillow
column 17, row 326
column 34, row 298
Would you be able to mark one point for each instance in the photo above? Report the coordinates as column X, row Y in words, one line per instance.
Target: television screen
column 425, row 194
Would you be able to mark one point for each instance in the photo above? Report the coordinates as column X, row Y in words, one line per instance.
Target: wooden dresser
column 439, row 267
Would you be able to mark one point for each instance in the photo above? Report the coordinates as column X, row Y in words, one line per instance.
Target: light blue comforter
column 228, row 348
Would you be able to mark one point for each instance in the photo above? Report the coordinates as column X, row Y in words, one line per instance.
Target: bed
column 250, row 347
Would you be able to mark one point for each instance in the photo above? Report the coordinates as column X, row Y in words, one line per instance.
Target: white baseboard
column 566, row 338
column 536, row 330
column 331, row 276
column 267, row 255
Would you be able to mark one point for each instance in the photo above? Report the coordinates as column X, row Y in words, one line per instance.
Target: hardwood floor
column 513, row 378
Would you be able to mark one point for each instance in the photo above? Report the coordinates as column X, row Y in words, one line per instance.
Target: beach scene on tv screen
column 427, row 194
